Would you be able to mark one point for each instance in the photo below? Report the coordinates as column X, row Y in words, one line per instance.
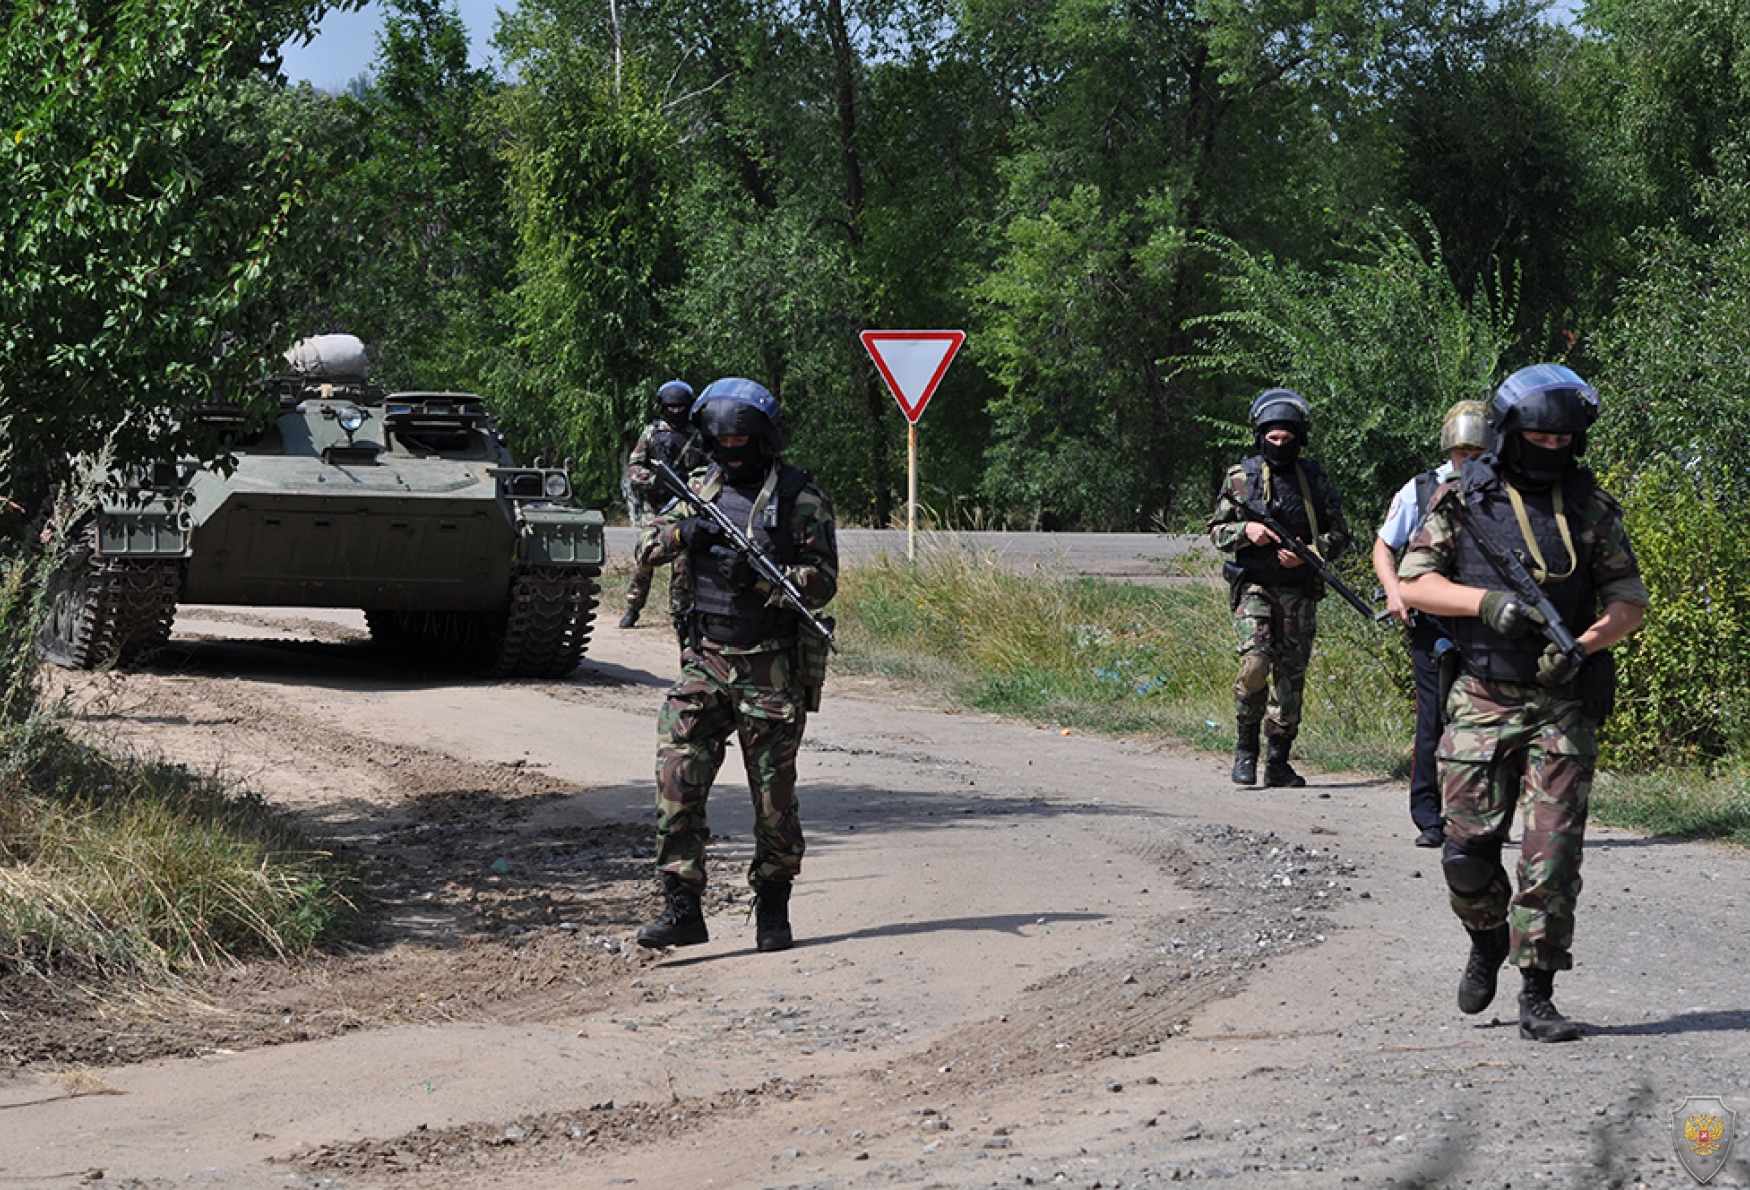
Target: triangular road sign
column 912, row 364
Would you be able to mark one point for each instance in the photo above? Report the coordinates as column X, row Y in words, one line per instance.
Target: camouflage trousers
column 638, row 591
column 1276, row 626
column 1507, row 747
column 754, row 696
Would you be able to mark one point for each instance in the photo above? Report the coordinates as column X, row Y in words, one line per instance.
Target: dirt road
column 1025, row 958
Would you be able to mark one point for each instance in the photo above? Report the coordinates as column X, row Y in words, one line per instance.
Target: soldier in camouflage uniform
column 1522, row 717
column 739, row 659
column 1274, row 595
column 670, row 439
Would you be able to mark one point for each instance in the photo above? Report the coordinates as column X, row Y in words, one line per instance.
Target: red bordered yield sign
column 912, row 363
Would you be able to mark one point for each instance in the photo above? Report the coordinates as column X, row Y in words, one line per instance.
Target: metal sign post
column 912, row 363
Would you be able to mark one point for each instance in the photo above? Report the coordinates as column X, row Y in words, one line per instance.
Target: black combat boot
column 1538, row 1018
column 630, row 619
column 1276, row 769
column 1476, row 987
column 771, row 909
column 1246, row 755
column 682, row 922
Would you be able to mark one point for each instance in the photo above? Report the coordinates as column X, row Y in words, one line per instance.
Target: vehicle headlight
column 350, row 417
column 556, row 485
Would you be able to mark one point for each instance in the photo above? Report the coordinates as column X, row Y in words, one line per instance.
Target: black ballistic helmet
column 1545, row 399
column 675, row 392
column 1542, row 399
column 1281, row 407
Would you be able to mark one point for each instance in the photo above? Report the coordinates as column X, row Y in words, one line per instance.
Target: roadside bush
column 113, row 866
column 1684, row 694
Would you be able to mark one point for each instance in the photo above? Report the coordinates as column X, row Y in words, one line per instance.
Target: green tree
column 594, row 199
column 420, row 217
column 146, row 221
column 1487, row 144
column 1138, row 128
column 1380, row 343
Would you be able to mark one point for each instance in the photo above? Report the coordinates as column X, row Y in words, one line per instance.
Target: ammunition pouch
column 1447, row 663
column 1595, row 686
column 811, row 656
column 1235, row 574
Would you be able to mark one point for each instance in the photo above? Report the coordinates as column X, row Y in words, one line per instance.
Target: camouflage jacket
column 1598, row 531
column 640, row 465
column 1227, row 524
column 813, row 532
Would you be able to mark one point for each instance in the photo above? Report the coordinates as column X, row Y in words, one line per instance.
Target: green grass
column 117, row 867
column 111, row 866
column 1124, row 659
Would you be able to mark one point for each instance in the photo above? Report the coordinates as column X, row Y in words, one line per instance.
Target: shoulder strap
column 1426, row 482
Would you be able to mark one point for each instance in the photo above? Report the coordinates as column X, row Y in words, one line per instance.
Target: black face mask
column 1537, row 467
column 738, row 462
column 675, row 416
column 1280, row 456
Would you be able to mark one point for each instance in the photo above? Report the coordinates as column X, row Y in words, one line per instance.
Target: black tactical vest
column 668, row 444
column 742, row 618
column 1488, row 654
column 1288, row 507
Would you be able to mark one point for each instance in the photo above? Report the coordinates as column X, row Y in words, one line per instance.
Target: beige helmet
column 1466, row 425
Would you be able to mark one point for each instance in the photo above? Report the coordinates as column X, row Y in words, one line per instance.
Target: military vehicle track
column 543, row 633
column 106, row 609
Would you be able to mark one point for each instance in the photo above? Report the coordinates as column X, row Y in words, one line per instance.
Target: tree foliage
column 147, row 220
column 1380, row 342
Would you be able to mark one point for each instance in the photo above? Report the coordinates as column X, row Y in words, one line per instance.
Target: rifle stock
column 763, row 566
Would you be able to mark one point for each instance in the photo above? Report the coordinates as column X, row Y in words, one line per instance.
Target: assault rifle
column 738, row 541
column 1522, row 586
column 1320, row 567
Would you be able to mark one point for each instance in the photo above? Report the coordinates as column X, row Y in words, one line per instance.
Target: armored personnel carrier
column 407, row 505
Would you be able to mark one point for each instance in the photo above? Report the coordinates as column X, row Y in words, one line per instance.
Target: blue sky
column 347, row 42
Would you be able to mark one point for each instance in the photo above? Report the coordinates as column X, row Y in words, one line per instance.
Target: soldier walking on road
column 748, row 666
column 1523, row 716
column 1463, row 435
column 670, row 439
column 1273, row 593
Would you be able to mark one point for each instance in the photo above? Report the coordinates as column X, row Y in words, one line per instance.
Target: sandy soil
column 1025, row 957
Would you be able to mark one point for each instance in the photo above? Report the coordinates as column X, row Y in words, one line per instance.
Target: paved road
column 1131, row 557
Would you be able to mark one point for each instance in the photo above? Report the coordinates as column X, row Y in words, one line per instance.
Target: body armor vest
column 1288, row 506
column 668, row 444
column 1488, row 654
column 742, row 618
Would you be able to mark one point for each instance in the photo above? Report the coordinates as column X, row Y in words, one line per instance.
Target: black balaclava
column 1280, row 456
column 727, row 419
column 1535, row 467
column 675, row 417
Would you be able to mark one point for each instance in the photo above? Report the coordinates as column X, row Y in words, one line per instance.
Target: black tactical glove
column 1556, row 668
column 697, row 533
column 733, row 568
column 1507, row 615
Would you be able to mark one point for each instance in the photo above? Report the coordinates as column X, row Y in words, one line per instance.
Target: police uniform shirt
column 1403, row 518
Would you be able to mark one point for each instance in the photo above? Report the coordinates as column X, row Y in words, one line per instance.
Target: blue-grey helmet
column 1542, row 399
column 1545, row 399
column 1280, row 408
column 675, row 392
column 736, row 407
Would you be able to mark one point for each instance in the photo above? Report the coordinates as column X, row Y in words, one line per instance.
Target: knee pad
column 1254, row 672
column 1469, row 868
